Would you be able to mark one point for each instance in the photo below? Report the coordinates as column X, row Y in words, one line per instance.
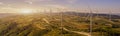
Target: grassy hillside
column 55, row 25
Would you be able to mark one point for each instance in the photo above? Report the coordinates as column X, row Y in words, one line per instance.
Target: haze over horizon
column 13, row 6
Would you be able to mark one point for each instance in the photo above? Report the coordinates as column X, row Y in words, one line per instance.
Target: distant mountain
column 117, row 14
column 5, row 14
column 113, row 16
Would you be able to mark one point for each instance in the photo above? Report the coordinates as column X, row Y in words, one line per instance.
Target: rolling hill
column 55, row 24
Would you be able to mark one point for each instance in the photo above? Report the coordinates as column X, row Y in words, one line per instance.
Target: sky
column 81, row 5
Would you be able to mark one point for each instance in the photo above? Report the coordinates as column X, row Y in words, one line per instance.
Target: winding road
column 84, row 33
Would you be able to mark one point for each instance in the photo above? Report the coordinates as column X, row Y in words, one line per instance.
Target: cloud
column 1, row 3
column 57, row 6
column 38, row 0
column 71, row 1
column 29, row 2
column 34, row 1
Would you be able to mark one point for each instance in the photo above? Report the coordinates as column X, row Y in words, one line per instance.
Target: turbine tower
column 110, row 15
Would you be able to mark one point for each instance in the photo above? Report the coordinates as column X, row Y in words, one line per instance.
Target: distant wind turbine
column 110, row 15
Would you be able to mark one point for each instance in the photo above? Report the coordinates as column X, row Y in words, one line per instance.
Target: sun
column 26, row 10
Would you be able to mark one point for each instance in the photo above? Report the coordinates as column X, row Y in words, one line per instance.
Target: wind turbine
column 96, row 12
column 91, row 18
column 50, row 13
column 110, row 15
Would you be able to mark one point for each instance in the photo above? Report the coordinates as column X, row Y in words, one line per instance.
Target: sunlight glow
column 26, row 11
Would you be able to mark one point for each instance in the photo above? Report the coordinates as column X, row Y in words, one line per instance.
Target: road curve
column 84, row 33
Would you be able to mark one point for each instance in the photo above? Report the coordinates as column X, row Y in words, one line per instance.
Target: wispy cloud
column 1, row 3
column 34, row 0
column 56, row 6
column 29, row 2
column 71, row 1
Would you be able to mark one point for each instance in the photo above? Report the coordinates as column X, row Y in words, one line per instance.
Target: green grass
column 29, row 25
